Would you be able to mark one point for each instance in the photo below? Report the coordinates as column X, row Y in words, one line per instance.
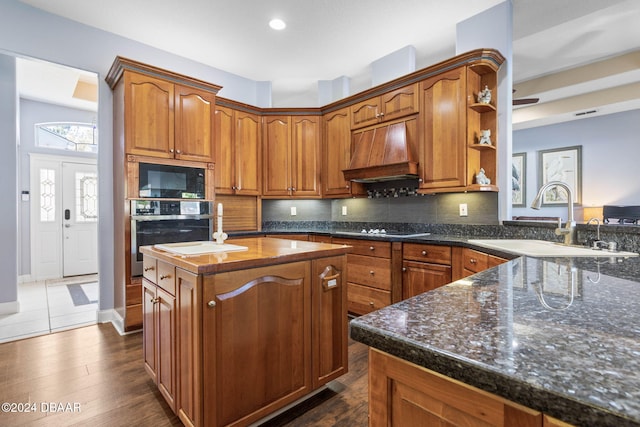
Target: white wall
column 610, row 153
column 8, row 178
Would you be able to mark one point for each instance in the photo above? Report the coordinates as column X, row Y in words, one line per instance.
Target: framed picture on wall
column 560, row 164
column 518, row 179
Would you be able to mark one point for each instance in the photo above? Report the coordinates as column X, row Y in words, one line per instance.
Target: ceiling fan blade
column 525, row 101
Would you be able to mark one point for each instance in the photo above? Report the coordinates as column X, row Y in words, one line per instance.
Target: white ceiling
column 326, row 39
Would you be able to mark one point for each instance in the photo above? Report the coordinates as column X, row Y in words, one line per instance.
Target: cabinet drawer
column 150, row 269
column 369, row 271
column 366, row 247
column 363, row 299
column 167, row 277
column 427, row 253
column 474, row 261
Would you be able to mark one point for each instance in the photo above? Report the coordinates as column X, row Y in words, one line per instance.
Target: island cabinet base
column 251, row 341
column 404, row 394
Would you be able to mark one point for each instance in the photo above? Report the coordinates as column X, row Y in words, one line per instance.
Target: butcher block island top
column 233, row 337
column 261, row 251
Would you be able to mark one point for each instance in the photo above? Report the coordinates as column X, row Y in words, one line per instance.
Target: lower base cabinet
column 228, row 349
column 404, row 394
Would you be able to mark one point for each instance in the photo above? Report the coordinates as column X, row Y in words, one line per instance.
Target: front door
column 79, row 219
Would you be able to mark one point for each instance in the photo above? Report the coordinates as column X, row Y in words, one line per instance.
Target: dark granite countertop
column 559, row 335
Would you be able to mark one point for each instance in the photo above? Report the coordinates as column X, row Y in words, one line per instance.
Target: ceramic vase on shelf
column 484, row 96
column 481, row 178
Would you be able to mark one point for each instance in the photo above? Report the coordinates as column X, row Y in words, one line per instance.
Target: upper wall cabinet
column 237, row 152
column 391, row 105
column 291, row 156
column 165, row 115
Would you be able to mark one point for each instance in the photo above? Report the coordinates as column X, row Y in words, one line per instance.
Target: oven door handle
column 166, row 217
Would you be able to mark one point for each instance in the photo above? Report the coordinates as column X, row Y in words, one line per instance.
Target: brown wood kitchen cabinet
column 469, row 261
column 268, row 324
column 404, row 394
column 162, row 118
column 424, row 268
column 291, row 156
column 373, row 270
column 159, row 333
column 391, row 105
column 336, row 155
column 238, row 152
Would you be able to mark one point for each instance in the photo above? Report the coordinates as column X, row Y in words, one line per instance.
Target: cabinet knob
column 371, row 303
column 211, row 303
column 165, row 276
column 155, row 300
column 473, row 260
column 293, row 188
column 424, row 253
column 178, row 151
column 372, row 272
column 371, row 248
column 149, row 268
column 171, row 150
column 404, row 269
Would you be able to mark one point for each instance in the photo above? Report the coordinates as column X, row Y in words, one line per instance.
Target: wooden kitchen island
column 232, row 337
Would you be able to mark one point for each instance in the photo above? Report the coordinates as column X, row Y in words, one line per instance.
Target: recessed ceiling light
column 277, row 24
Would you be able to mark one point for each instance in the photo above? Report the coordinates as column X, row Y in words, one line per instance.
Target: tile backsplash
column 482, row 208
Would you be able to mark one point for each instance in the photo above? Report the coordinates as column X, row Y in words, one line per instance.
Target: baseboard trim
column 10, row 307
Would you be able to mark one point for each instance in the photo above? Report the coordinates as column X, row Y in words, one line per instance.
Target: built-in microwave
column 162, row 181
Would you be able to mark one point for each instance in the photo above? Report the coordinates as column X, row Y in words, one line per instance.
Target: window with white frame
column 68, row 136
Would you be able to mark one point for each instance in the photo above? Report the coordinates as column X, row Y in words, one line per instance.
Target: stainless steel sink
column 542, row 248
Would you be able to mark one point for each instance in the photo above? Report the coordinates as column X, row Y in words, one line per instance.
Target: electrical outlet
column 463, row 209
column 344, row 210
column 294, row 211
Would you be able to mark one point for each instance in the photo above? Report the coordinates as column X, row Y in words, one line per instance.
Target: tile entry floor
column 50, row 306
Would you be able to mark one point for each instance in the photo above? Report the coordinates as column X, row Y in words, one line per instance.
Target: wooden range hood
column 382, row 154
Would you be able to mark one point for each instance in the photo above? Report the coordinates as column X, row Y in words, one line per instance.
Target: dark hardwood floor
column 92, row 376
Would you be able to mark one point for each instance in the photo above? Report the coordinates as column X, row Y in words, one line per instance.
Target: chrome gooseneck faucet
column 569, row 231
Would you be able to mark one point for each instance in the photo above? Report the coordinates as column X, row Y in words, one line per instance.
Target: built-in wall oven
column 165, row 221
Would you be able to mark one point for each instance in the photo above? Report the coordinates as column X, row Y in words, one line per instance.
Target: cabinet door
column 224, row 150
column 149, row 350
column 337, row 153
column 404, row 394
column 166, row 340
column 305, row 152
column 329, row 319
column 257, row 342
column 400, row 102
column 443, row 157
column 248, row 158
column 194, row 124
column 420, row 277
column 276, row 156
column 149, row 116
column 188, row 348
column 365, row 113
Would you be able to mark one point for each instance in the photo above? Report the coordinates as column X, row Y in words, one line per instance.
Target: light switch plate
column 463, row 209
column 294, row 211
column 344, row 210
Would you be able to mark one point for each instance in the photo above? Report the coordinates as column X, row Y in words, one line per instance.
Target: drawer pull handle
column 371, row 303
column 424, row 253
column 149, row 268
column 162, row 277
column 473, row 261
column 155, row 300
column 372, row 272
column 211, row 303
column 371, row 248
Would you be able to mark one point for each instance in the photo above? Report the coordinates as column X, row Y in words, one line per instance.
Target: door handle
column 67, row 225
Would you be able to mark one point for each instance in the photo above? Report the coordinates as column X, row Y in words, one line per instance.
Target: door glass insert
column 47, row 195
column 86, row 197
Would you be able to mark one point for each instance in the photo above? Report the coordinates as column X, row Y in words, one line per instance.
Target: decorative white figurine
column 481, row 178
column 485, row 139
column 484, row 96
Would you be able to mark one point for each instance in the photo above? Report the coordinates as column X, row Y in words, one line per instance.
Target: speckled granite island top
column 561, row 336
